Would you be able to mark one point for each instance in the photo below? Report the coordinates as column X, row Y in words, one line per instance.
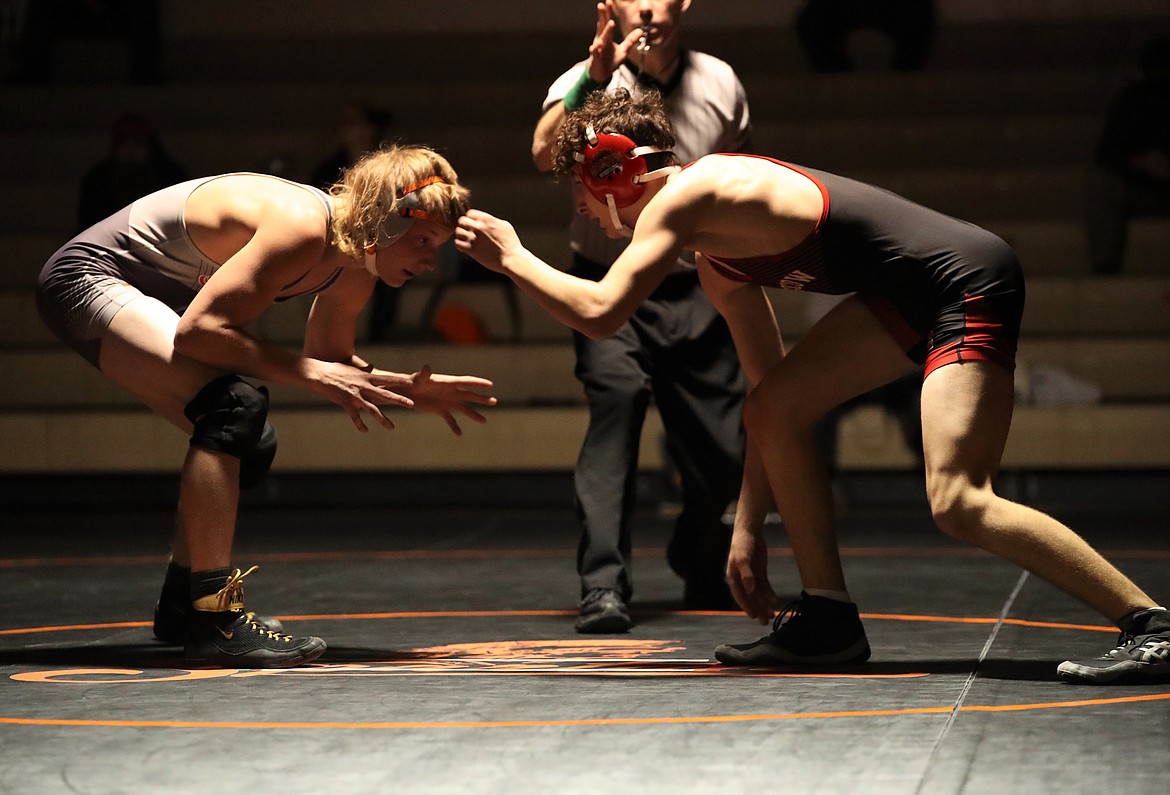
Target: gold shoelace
column 229, row 597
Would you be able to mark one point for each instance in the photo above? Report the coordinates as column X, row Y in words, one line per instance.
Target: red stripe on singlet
column 982, row 340
column 773, row 270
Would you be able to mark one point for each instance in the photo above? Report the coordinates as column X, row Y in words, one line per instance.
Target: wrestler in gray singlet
column 142, row 250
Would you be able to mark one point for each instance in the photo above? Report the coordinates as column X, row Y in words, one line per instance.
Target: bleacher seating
column 1001, row 141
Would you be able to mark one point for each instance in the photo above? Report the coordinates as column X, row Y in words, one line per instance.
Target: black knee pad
column 229, row 415
column 255, row 465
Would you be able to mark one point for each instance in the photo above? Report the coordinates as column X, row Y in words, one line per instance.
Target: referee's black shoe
column 603, row 612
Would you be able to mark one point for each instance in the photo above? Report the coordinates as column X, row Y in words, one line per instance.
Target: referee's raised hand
column 605, row 54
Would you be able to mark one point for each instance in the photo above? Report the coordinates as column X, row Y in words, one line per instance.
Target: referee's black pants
column 677, row 350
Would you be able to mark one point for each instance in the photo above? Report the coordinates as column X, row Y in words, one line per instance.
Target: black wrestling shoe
column 222, row 635
column 1142, row 655
column 174, row 614
column 811, row 631
column 603, row 612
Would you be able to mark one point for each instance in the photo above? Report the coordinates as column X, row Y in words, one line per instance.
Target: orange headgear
column 398, row 223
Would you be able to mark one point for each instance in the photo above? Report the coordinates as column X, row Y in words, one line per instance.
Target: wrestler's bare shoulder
column 250, row 198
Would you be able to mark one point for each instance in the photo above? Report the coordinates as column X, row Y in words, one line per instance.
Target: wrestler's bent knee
column 230, row 416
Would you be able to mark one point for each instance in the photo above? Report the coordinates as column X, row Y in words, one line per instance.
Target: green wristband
column 585, row 85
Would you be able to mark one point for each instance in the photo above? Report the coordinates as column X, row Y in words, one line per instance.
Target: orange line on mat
column 1088, row 702
column 433, row 614
column 536, row 613
column 97, row 560
column 1019, row 622
column 578, row 722
column 469, row 724
column 71, row 627
column 489, row 554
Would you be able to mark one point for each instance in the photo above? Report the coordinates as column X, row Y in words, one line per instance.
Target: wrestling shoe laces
column 790, row 613
column 224, row 635
column 811, row 630
column 173, row 612
column 228, row 598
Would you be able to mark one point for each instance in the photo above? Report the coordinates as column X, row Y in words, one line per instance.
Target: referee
column 676, row 348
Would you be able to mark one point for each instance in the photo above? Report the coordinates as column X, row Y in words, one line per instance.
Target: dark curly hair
column 640, row 118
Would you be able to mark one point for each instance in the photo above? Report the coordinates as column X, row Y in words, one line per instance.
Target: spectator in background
column 361, row 128
column 137, row 164
column 824, row 28
column 1131, row 173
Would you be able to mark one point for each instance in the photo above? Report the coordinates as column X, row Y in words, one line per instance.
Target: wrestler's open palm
column 747, row 576
column 357, row 391
column 448, row 395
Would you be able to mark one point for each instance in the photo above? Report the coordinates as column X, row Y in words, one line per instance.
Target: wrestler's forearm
column 591, row 308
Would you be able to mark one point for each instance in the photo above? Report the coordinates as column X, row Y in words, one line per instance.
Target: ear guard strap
column 613, row 168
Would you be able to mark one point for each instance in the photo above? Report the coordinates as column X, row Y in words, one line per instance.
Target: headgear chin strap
column 397, row 224
column 613, row 170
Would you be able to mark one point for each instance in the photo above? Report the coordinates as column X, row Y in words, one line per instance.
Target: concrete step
column 243, row 103
column 916, row 143
column 1125, row 369
column 49, row 206
column 531, row 439
column 907, row 143
column 524, row 375
column 1042, row 437
column 999, row 91
column 543, row 439
column 1132, row 369
column 1058, row 247
column 1092, row 307
column 767, row 45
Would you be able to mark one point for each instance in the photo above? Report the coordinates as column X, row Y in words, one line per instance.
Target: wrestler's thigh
column 846, row 353
column 138, row 353
column 966, row 415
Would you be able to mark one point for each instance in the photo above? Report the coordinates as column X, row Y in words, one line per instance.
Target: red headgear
column 612, row 164
column 613, row 170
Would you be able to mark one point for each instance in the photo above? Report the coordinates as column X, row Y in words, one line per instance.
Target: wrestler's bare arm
column 284, row 247
column 280, row 251
column 760, row 347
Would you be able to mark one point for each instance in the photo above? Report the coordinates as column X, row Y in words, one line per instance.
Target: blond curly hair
column 371, row 189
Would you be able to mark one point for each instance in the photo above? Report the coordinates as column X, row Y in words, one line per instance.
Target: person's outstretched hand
column 359, row 392
column 486, row 239
column 448, row 395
